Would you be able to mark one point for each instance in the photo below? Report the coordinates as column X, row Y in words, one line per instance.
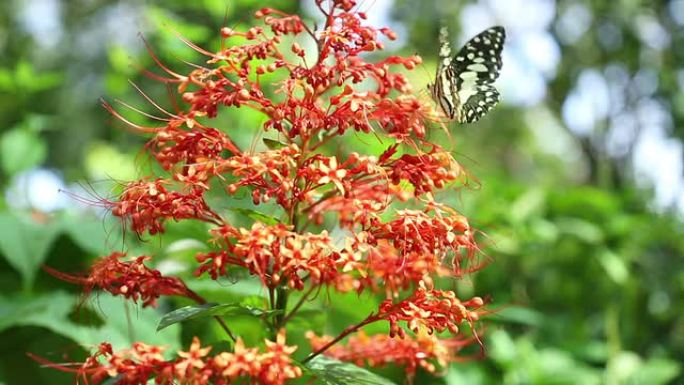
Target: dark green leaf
column 330, row 371
column 273, row 144
column 209, row 310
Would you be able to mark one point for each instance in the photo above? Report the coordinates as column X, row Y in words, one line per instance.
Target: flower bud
column 227, row 32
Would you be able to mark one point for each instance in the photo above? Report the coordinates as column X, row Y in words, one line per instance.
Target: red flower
column 131, row 279
column 275, row 254
column 142, row 363
column 434, row 310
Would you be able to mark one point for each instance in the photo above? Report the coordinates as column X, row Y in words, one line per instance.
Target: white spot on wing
column 478, row 67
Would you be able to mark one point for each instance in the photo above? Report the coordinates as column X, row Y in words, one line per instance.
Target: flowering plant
column 378, row 248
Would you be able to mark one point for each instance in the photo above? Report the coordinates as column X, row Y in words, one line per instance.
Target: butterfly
column 463, row 84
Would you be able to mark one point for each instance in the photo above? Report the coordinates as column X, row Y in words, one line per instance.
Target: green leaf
column 614, row 266
column 658, row 371
column 104, row 161
column 330, row 371
column 21, row 149
column 582, row 229
column 6, row 80
column 27, row 79
column 25, row 244
column 257, row 216
column 273, row 144
column 89, row 232
column 124, row 322
column 209, row 310
column 527, row 205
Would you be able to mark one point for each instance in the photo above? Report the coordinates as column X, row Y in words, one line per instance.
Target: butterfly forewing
column 463, row 85
column 480, row 56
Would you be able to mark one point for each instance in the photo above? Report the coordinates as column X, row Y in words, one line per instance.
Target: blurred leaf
column 21, row 149
column 544, row 230
column 120, row 59
column 657, row 371
column 209, row 310
column 257, row 216
column 89, row 232
column 615, row 267
column 505, row 242
column 217, row 8
column 25, row 244
column 466, row 374
column 104, row 161
column 27, row 79
column 183, row 252
column 6, row 83
column 330, row 371
column 187, row 244
column 622, row 366
column 529, row 203
column 227, row 289
column 254, row 301
column 519, row 315
column 123, row 323
column 584, row 230
column 502, row 349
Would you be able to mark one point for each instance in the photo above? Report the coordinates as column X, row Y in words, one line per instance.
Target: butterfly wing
column 478, row 103
column 475, row 67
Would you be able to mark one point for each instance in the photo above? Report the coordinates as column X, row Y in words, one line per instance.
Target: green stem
column 298, row 305
column 281, row 304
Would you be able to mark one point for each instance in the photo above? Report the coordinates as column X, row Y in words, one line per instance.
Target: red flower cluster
column 275, row 254
column 308, row 100
column 147, row 205
column 143, row 363
column 434, row 310
column 131, row 279
column 425, row 350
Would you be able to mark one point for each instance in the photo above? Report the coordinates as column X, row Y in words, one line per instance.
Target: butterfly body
column 463, row 83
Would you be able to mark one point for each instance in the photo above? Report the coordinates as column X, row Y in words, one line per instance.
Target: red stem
column 349, row 330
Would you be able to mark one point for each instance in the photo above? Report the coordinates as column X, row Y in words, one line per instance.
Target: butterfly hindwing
column 478, row 103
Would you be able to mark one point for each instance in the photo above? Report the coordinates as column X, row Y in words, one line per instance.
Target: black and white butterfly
column 463, row 84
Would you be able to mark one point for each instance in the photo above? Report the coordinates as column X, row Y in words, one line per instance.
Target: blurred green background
column 580, row 171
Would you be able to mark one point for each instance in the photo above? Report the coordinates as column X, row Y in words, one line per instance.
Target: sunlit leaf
column 257, row 216
column 582, row 229
column 330, row 371
column 209, row 310
column 615, row 267
column 518, row 314
column 21, row 149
